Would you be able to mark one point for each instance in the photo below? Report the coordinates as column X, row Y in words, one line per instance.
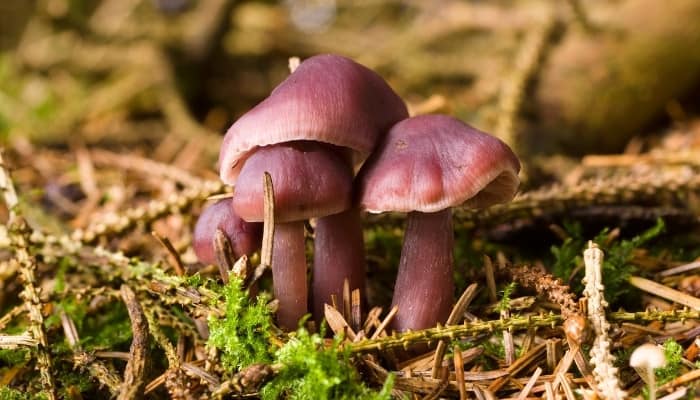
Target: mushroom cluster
column 337, row 140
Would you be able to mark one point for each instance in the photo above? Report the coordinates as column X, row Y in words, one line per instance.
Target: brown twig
column 20, row 231
column 546, row 285
column 456, row 315
column 134, row 374
column 465, row 330
column 15, row 341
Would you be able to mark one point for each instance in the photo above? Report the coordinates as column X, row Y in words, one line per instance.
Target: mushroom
column 425, row 166
column 244, row 236
column 644, row 360
column 309, row 181
column 327, row 99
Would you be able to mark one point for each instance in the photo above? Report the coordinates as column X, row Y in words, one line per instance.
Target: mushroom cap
column 309, row 180
column 648, row 355
column 245, row 237
column 329, row 99
column 432, row 162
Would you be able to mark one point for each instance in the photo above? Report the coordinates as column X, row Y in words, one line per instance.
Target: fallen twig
column 134, row 374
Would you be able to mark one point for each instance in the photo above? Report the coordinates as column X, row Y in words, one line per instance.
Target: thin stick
column 224, row 254
column 21, row 232
column 490, row 279
column 356, row 314
column 468, row 329
column 387, row 320
column 549, row 391
column 268, row 228
column 530, row 384
column 518, row 366
column 456, row 314
column 665, row 292
column 566, row 386
column 347, row 302
column 681, row 380
column 16, row 341
column 135, row 371
column 268, row 219
column 459, row 374
column 165, row 242
column 10, row 315
column 680, row 269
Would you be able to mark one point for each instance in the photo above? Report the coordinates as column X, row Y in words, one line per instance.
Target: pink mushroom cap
column 329, row 99
column 433, row 162
column 308, row 180
column 245, row 237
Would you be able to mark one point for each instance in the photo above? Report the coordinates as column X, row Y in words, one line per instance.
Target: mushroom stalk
column 289, row 273
column 651, row 381
column 425, row 285
column 339, row 254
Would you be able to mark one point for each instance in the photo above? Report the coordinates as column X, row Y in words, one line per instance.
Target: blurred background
column 561, row 79
column 112, row 113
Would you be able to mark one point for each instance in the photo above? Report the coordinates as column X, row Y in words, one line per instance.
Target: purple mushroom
column 244, row 236
column 309, row 181
column 330, row 100
column 425, row 166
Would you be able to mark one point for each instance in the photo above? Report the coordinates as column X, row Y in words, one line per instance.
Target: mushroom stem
column 339, row 254
column 289, row 273
column 651, row 381
column 425, row 285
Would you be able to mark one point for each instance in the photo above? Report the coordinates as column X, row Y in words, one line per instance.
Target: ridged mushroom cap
column 432, row 162
column 245, row 237
column 308, row 179
column 329, row 99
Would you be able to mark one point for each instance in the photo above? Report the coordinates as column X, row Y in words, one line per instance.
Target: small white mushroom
column 644, row 360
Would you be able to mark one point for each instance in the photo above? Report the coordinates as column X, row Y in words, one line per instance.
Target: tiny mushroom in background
column 644, row 360
column 343, row 106
column 425, row 166
column 245, row 237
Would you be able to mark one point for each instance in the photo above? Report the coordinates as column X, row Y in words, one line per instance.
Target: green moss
column 494, row 349
column 243, row 333
column 13, row 356
column 616, row 266
column 312, row 371
column 194, row 280
column 74, row 308
column 504, row 303
column 674, row 357
column 72, row 381
column 7, row 393
column 110, row 328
